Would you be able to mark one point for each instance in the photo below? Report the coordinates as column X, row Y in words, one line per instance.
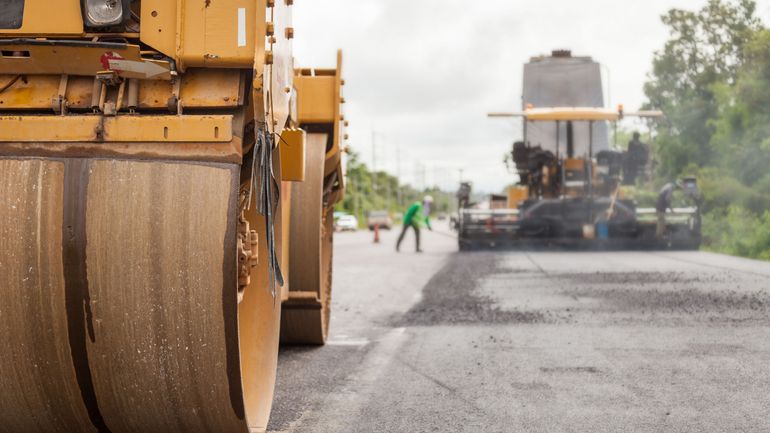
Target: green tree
column 712, row 80
column 706, row 48
column 366, row 191
column 742, row 124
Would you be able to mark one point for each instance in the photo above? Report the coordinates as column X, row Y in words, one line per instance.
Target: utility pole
column 374, row 161
column 388, row 195
column 609, row 85
column 424, row 173
column 399, row 197
column 355, row 194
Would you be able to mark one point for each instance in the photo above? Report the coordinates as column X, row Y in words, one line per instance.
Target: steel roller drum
column 120, row 309
column 305, row 317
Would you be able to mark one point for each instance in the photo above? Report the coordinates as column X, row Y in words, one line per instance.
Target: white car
column 347, row 223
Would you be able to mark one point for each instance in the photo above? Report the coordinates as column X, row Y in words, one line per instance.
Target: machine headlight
column 11, row 14
column 105, row 13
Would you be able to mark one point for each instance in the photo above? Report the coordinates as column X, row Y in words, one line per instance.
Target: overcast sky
column 422, row 74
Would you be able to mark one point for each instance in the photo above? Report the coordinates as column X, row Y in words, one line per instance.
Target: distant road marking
column 355, row 342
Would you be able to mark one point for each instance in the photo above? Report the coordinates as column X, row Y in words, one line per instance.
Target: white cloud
column 424, row 73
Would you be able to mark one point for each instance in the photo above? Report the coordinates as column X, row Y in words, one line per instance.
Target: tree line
column 368, row 190
column 712, row 81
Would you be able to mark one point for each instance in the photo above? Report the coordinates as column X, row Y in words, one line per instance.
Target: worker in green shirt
column 417, row 215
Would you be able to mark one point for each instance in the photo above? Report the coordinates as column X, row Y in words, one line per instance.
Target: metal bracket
column 59, row 103
column 109, row 79
column 174, row 101
column 248, row 254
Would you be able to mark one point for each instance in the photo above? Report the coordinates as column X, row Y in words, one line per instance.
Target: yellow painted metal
column 574, row 164
column 207, row 128
column 571, row 114
column 316, row 96
column 222, row 48
column 48, row 128
column 213, row 34
column 80, row 60
column 159, row 24
column 229, row 152
column 35, row 92
column 221, row 34
column 200, row 88
column 176, row 152
column 648, row 114
column 516, row 195
column 293, row 155
column 49, row 18
column 319, row 103
column 204, row 128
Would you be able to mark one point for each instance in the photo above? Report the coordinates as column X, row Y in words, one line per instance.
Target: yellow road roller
column 143, row 261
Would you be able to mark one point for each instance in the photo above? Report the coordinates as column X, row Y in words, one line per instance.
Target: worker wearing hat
column 415, row 217
column 664, row 203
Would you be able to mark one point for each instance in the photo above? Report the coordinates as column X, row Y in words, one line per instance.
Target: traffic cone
column 376, row 233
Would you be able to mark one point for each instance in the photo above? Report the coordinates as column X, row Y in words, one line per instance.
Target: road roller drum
column 307, row 311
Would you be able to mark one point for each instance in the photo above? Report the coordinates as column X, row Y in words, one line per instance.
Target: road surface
column 533, row 342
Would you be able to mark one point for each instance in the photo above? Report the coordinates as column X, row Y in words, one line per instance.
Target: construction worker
column 636, row 159
column 417, row 215
column 665, row 198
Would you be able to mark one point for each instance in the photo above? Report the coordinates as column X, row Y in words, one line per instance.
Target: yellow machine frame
column 143, row 140
column 306, row 308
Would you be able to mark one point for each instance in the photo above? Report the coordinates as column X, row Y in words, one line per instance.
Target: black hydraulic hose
column 10, row 83
column 570, row 140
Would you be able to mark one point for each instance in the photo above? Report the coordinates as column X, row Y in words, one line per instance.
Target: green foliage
column 742, row 126
column 712, row 79
column 722, row 190
column 367, row 191
column 739, row 232
column 644, row 197
column 706, row 48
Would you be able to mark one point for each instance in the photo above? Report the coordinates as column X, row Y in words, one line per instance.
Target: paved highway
column 533, row 342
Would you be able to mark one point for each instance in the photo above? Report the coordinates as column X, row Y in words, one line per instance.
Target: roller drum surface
column 39, row 389
column 120, row 311
column 305, row 316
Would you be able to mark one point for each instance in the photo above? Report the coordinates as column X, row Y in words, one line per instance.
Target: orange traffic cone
column 376, row 233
